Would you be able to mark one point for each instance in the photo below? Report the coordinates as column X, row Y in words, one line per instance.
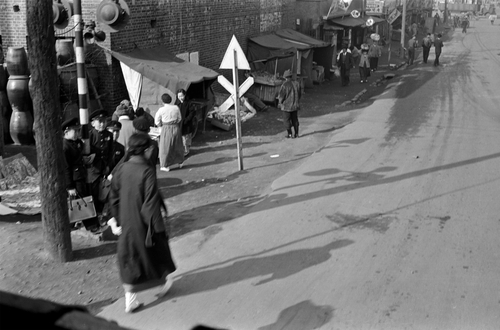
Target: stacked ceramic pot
column 21, row 120
column 5, row 110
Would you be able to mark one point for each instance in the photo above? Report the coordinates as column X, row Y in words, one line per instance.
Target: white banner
column 393, row 16
column 374, row 6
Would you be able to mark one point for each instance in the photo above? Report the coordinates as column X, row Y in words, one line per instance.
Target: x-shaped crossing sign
column 230, row 88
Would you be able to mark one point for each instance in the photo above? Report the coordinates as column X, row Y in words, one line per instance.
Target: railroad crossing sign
column 230, row 88
column 235, row 59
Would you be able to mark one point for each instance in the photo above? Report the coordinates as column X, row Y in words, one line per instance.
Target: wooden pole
column 403, row 30
column 48, row 133
column 390, row 44
column 237, row 111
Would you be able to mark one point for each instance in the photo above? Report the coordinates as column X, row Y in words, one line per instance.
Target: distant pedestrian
column 438, row 19
column 374, row 53
column 414, row 28
column 492, row 18
column 412, row 45
column 364, row 63
column 188, row 114
column 426, row 46
column 138, row 210
column 438, row 46
column 465, row 24
column 346, row 62
column 169, row 118
column 288, row 102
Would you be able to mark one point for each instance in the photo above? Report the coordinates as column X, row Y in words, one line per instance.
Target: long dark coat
column 136, row 203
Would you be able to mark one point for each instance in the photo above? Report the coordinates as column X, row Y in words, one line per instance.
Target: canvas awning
column 164, row 68
column 294, row 36
column 347, row 21
column 273, row 41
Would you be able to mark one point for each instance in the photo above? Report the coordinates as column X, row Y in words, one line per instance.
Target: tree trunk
column 48, row 133
column 2, row 142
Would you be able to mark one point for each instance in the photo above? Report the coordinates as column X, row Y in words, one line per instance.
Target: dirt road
column 393, row 224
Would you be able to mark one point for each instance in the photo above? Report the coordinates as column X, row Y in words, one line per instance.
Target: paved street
column 393, row 224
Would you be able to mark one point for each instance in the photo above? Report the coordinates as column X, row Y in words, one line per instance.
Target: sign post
column 235, row 59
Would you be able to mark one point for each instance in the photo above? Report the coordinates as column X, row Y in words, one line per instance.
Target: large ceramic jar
column 65, row 52
column 21, row 120
column 17, row 61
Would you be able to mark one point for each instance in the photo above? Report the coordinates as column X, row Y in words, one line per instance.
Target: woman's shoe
column 131, row 302
column 165, row 169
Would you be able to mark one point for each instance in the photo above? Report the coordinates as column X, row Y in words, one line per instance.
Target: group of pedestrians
column 123, row 154
column 366, row 58
column 427, row 44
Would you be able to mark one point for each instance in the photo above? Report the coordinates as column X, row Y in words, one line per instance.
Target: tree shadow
column 94, row 252
column 273, row 267
column 187, row 221
column 303, row 315
column 361, row 180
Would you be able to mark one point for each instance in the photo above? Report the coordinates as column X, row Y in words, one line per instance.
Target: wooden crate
column 266, row 93
column 219, row 124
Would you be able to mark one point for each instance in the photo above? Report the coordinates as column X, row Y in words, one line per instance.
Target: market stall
column 149, row 73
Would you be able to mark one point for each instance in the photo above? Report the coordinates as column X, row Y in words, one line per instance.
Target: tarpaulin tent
column 155, row 71
column 270, row 45
column 323, row 51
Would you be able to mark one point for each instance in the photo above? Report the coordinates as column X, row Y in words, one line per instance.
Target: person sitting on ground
column 256, row 102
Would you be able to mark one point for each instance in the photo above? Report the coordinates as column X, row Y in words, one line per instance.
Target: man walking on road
column 345, row 62
column 426, row 46
column 288, row 98
column 412, row 45
column 438, row 46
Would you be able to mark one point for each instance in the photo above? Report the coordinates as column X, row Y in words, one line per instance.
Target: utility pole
column 48, row 133
column 403, row 30
column 81, row 78
column 445, row 18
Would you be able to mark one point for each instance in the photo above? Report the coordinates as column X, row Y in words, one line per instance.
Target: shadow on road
column 272, row 267
column 304, row 315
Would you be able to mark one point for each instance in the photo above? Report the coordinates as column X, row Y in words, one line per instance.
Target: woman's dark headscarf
column 137, row 144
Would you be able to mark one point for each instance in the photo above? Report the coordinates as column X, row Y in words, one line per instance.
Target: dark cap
column 141, row 124
column 72, row 122
column 114, row 125
column 98, row 114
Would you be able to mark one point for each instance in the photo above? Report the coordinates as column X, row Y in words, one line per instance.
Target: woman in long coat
column 169, row 119
column 144, row 257
column 364, row 63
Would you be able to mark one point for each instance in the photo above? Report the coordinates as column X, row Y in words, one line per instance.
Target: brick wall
column 204, row 26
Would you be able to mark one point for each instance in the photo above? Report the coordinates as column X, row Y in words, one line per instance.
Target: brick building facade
column 184, row 26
